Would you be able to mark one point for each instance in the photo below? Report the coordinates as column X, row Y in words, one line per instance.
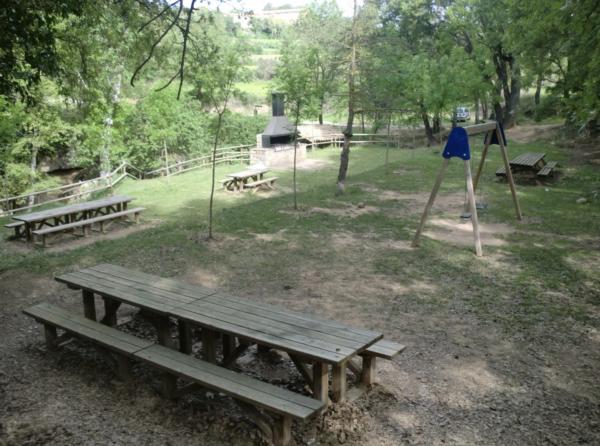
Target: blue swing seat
column 457, row 144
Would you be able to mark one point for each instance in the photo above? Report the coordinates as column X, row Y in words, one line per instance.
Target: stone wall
column 278, row 157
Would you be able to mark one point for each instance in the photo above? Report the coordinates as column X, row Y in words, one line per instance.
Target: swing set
column 457, row 146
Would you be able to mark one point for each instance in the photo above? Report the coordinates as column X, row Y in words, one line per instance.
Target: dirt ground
column 462, row 380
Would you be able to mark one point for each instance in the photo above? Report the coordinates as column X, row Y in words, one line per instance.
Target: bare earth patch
column 460, row 232
column 528, row 133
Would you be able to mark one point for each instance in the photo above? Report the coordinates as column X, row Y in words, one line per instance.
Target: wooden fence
column 234, row 154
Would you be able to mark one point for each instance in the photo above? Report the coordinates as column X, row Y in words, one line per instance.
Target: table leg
column 163, row 330
column 209, row 344
column 262, row 349
column 89, row 306
column 110, row 311
column 169, row 386
column 339, row 382
column 320, row 381
column 228, row 345
column 185, row 337
column 51, row 337
column 367, row 376
column 28, row 231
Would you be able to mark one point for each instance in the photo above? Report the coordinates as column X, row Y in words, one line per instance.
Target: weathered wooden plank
column 385, row 349
column 258, row 336
column 239, row 386
column 281, row 331
column 302, row 320
column 136, row 286
column 171, row 285
column 85, row 328
column 476, row 129
column 104, row 288
column 317, row 338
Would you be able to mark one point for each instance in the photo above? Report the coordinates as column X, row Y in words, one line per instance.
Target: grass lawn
column 516, row 330
column 257, row 88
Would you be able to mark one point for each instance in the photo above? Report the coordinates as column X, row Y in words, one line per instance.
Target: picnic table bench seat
column 532, row 162
column 265, row 181
column 385, row 349
column 281, row 405
column 17, row 226
column 86, row 223
column 547, row 169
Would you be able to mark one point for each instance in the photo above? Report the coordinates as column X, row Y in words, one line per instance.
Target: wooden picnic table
column 530, row 162
column 71, row 213
column 306, row 339
column 238, row 180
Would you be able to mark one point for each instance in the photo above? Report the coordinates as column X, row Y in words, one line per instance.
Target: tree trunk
column 108, row 123
column 538, row 90
column 212, row 184
column 321, row 106
column 33, row 167
column 476, row 111
column 436, row 123
column 428, row 130
column 345, row 155
column 509, row 79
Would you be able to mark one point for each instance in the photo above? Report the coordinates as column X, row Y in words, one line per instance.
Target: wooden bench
column 280, row 405
column 122, row 344
column 381, row 349
column 264, row 182
column 87, row 223
column 17, row 226
column 547, row 169
column 226, row 183
column 385, row 349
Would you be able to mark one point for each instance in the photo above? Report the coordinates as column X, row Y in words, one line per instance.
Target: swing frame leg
column 474, row 219
column 509, row 175
column 486, row 146
column 434, row 192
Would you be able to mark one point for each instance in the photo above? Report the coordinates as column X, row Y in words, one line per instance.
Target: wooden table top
column 73, row 208
column 528, row 159
column 305, row 335
column 247, row 173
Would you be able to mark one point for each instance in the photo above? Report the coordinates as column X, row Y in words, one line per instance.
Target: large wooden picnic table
column 239, row 179
column 71, row 213
column 305, row 338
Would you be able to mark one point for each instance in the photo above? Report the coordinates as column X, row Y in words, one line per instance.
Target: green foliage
column 314, row 47
column 27, row 43
column 240, row 129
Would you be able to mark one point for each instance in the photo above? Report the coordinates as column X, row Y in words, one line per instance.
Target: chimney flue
column 277, row 104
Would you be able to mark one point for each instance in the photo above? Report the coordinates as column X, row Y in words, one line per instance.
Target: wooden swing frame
column 490, row 128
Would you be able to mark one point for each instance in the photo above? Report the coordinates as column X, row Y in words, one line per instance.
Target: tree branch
column 166, row 8
column 185, row 40
column 155, row 44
